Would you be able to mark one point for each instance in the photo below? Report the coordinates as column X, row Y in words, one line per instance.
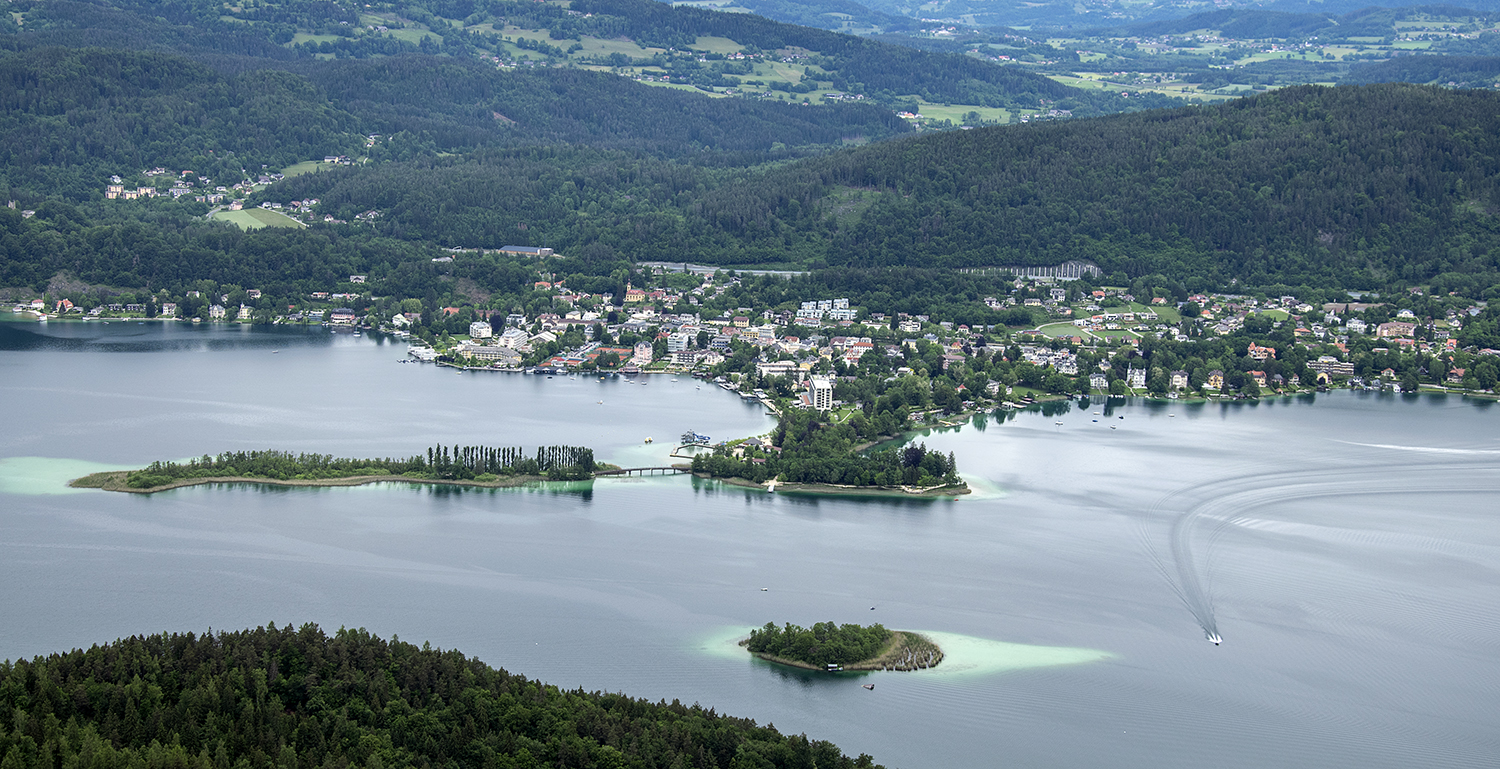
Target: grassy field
column 255, row 218
column 305, row 167
column 303, row 37
column 593, row 46
column 412, row 35
column 956, row 112
column 1167, row 313
column 1065, row 328
column 716, row 45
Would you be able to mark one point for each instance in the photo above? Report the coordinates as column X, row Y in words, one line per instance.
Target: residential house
column 1179, row 380
column 1394, row 329
column 480, row 330
column 1215, row 380
column 216, row 312
column 1261, row 353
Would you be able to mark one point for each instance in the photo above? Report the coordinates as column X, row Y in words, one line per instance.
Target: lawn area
column 1098, row 82
column 716, row 44
column 1276, row 314
column 1064, row 329
column 255, row 218
column 681, row 87
column 593, row 46
column 956, row 112
column 1167, row 313
column 304, row 37
column 305, row 167
column 412, row 35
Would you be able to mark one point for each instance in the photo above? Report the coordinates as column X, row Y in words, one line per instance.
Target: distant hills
column 1061, row 14
column 1313, row 184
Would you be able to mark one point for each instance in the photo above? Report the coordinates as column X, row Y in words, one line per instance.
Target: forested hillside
column 1365, row 183
column 1465, row 71
column 71, row 118
column 459, row 104
column 1312, row 184
column 279, row 697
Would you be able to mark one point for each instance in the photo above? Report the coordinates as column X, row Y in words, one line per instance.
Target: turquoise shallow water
column 963, row 656
column 29, row 476
column 1346, row 546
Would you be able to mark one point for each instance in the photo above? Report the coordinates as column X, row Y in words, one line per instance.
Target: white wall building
column 820, row 393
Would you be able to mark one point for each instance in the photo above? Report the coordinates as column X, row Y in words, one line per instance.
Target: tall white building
column 820, row 393
column 480, row 330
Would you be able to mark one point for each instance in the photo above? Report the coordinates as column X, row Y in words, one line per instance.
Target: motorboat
column 1214, row 637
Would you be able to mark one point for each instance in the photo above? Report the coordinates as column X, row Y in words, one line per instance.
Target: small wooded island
column 806, row 453
column 826, row 646
column 461, row 465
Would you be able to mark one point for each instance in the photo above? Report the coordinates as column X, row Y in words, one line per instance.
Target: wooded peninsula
column 283, row 697
column 462, row 465
column 827, row 646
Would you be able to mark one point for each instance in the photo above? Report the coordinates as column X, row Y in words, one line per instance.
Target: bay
column 1345, row 545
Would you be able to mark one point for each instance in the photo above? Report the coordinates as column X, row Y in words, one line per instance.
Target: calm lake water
column 1346, row 547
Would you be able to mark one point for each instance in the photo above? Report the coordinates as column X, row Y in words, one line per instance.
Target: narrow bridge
column 643, row 471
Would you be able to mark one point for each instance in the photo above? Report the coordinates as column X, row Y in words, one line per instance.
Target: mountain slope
column 1307, row 181
column 1310, row 184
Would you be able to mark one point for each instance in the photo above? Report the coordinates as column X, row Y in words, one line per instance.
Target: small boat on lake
column 871, row 687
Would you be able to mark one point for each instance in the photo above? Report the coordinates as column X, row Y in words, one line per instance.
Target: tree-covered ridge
column 460, row 104
column 1314, row 184
column 69, row 118
column 284, row 698
column 1463, row 71
column 825, row 643
column 1356, row 186
column 72, row 118
column 460, row 463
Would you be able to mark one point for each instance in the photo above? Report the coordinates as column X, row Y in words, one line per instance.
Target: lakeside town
column 1094, row 339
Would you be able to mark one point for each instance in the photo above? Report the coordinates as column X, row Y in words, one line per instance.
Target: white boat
column 1214, row 637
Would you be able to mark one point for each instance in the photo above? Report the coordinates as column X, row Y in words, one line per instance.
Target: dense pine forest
column 285, row 698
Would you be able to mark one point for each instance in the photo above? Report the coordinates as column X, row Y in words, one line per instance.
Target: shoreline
column 115, row 481
column 907, row 651
column 832, row 489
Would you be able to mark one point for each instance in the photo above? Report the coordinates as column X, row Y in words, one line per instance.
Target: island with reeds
column 481, row 466
column 827, row 646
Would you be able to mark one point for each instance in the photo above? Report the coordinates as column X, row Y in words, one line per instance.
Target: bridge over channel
column 669, row 470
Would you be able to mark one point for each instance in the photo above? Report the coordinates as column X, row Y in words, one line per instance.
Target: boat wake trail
column 1224, row 504
column 1178, row 566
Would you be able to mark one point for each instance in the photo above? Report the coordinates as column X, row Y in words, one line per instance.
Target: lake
column 1346, row 547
